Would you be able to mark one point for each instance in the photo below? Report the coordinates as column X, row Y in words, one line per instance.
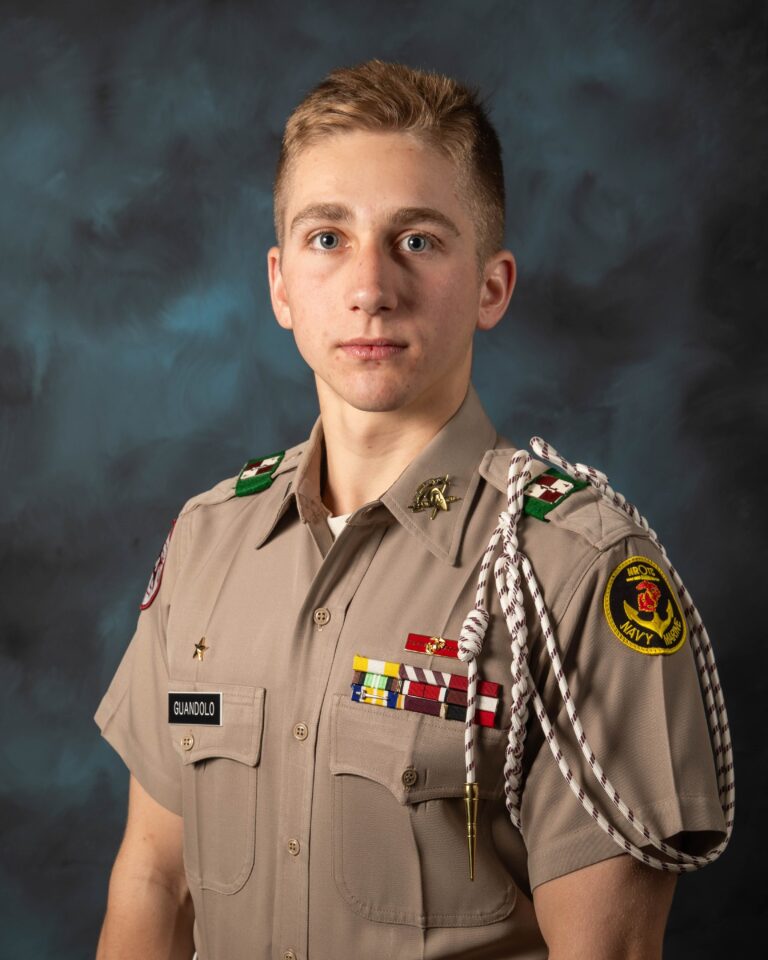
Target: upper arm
column 645, row 724
column 617, row 908
column 133, row 714
column 153, row 841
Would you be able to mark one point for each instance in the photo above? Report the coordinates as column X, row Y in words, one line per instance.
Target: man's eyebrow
column 332, row 212
column 408, row 215
column 403, row 217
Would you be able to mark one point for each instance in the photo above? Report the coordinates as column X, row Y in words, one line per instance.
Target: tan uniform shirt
column 303, row 834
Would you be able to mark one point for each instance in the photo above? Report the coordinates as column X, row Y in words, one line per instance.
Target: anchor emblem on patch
column 647, row 601
column 431, row 495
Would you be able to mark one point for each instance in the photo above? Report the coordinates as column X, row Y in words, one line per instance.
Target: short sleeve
column 132, row 715
column 636, row 690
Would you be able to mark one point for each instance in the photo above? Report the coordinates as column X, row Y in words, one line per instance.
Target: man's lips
column 372, row 349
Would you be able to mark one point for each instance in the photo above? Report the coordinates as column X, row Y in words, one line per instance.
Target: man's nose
column 372, row 281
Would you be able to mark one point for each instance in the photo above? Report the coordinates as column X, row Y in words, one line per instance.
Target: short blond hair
column 391, row 97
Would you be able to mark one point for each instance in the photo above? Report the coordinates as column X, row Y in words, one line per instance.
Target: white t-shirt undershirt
column 336, row 524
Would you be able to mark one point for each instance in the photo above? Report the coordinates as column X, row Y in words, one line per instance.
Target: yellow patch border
column 609, row 617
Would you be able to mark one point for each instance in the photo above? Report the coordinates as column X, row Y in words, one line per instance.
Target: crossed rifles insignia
column 431, row 495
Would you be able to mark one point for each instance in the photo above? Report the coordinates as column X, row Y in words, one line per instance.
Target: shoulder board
column 223, row 491
column 588, row 515
column 494, row 467
column 227, row 489
column 547, row 491
column 258, row 474
column 246, row 483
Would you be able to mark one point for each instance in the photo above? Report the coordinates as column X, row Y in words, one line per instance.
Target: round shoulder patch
column 157, row 573
column 642, row 608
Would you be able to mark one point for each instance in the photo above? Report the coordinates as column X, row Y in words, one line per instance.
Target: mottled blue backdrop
column 140, row 363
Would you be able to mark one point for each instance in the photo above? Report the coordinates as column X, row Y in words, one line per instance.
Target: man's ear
column 499, row 276
column 277, row 289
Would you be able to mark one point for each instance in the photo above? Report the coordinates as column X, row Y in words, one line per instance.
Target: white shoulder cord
column 507, row 574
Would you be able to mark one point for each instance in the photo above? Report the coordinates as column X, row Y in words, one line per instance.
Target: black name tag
column 195, row 708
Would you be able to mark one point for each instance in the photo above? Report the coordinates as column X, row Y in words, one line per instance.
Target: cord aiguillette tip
column 471, row 794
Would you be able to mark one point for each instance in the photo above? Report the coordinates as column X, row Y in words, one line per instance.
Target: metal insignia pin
column 431, row 495
column 434, row 644
column 200, row 649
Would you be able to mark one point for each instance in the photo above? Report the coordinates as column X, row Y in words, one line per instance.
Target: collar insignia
column 430, row 495
column 200, row 649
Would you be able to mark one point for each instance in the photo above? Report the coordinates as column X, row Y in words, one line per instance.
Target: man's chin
column 367, row 404
column 370, row 398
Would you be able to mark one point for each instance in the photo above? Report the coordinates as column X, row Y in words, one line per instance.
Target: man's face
column 378, row 274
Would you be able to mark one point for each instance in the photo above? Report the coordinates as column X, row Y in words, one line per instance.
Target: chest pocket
column 399, row 844
column 220, row 785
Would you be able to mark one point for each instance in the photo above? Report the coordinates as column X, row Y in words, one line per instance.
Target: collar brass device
column 431, row 495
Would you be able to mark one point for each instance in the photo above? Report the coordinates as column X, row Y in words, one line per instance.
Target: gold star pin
column 430, row 495
column 200, row 649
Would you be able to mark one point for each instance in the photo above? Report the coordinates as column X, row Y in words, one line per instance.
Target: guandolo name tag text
column 195, row 707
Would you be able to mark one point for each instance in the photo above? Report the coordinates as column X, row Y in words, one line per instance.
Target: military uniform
column 314, row 825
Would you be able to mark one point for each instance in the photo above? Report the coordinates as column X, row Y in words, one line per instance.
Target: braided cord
column 709, row 678
column 476, row 624
column 510, row 568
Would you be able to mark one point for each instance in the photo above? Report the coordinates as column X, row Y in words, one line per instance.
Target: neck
column 366, row 452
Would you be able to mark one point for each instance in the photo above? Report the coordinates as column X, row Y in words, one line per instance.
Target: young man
column 273, row 801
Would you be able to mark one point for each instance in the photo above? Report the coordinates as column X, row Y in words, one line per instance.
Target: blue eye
column 326, row 241
column 417, row 242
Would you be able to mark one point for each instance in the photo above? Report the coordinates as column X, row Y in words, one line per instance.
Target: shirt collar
column 456, row 450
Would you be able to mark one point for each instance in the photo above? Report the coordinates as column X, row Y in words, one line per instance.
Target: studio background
column 140, row 362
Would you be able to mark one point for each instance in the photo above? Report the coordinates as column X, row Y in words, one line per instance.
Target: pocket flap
column 238, row 737
column 382, row 745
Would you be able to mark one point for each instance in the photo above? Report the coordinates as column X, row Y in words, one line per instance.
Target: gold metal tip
column 471, row 795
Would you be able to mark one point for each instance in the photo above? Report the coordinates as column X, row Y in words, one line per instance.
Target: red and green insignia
column 642, row 609
column 257, row 475
column 548, row 491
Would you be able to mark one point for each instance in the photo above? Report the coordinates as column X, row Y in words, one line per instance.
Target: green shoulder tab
column 257, row 475
column 548, row 491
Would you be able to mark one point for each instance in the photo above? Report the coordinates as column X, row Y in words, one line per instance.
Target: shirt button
column 293, row 847
column 410, row 776
column 188, row 742
column 321, row 616
column 301, row 731
column 289, row 955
